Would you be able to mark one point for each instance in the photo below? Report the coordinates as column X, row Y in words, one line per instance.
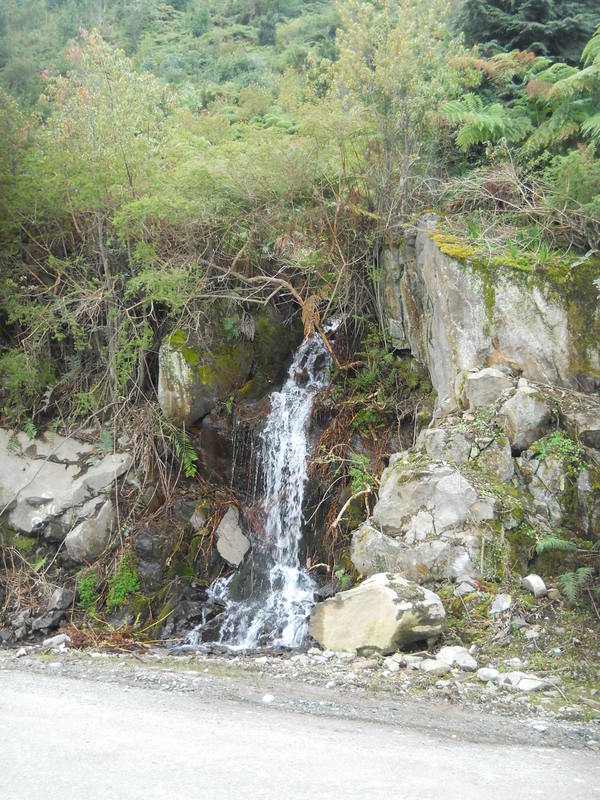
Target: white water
column 269, row 605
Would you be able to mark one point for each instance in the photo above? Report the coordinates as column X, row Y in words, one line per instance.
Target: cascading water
column 268, row 600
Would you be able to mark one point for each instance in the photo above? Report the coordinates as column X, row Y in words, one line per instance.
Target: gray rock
column 385, row 612
column 47, row 496
column 434, row 667
column 457, row 656
column 56, row 641
column 47, row 621
column 501, row 603
column 484, row 387
column 525, row 417
column 496, row 459
column 488, row 674
column 86, row 542
column 424, row 524
column 61, row 600
column 443, row 310
column 535, row 585
column 231, row 542
column 582, row 416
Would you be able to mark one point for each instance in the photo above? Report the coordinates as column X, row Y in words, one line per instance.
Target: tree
column 395, row 62
column 555, row 28
column 96, row 154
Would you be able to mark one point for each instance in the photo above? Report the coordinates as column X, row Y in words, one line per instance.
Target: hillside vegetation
column 157, row 158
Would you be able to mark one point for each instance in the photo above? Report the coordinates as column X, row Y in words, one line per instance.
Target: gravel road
column 66, row 737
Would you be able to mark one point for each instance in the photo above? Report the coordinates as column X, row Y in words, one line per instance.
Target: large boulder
column 48, row 485
column 525, row 417
column 456, row 314
column 191, row 380
column 426, row 524
column 386, row 612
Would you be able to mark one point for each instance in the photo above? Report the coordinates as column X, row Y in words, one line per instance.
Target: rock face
column 424, row 525
column 231, row 542
column 48, row 486
column 386, row 612
column 456, row 316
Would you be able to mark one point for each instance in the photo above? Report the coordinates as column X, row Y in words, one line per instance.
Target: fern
column 484, row 123
column 570, row 583
column 184, row 450
column 550, row 543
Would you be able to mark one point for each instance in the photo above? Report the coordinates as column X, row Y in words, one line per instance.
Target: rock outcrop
column 51, row 485
column 456, row 314
column 232, row 545
column 480, row 488
column 384, row 613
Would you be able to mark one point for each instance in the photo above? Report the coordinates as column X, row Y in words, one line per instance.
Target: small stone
column 535, row 585
column 457, row 656
column 20, row 652
column 391, row 664
column 434, row 667
column 267, row 698
column 399, row 658
column 364, row 663
column 487, row 674
column 261, row 660
column 531, row 684
column 501, row 603
column 513, row 662
column 532, row 633
column 553, row 594
column 56, row 641
column 539, row 726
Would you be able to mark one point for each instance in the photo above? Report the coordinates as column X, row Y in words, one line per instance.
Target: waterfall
column 268, row 600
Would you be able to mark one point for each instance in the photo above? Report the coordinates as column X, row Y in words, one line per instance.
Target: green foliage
column 184, row 450
column 87, row 591
column 553, row 543
column 123, row 583
column 572, row 583
column 360, row 474
column 559, row 445
column 558, row 28
column 484, row 123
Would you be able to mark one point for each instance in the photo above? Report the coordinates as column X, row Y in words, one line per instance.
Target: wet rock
column 535, row 585
column 385, row 612
column 87, row 542
column 525, row 417
column 191, row 381
column 231, row 542
column 484, row 387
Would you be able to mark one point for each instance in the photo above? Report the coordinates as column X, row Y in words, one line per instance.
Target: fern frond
column 480, row 123
column 568, row 586
column 550, row 543
column 591, row 52
column 591, row 127
column 183, row 449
